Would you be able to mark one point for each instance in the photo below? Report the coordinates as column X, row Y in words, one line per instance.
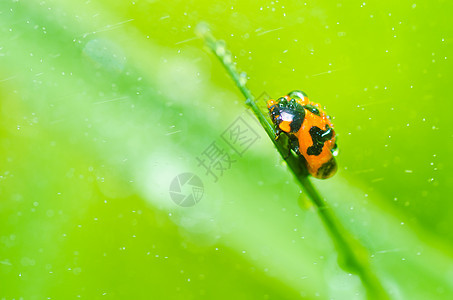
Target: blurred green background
column 102, row 104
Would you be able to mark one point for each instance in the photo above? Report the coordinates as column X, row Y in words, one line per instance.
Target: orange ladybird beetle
column 309, row 131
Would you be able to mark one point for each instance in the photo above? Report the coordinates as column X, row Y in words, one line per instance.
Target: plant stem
column 352, row 256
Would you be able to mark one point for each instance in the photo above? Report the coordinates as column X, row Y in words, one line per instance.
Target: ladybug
column 309, row 130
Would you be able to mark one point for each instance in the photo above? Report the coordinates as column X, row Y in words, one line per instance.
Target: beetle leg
column 294, row 144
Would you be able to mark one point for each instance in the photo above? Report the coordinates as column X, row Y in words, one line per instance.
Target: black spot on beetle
column 312, row 109
column 319, row 137
column 298, row 119
column 327, row 169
